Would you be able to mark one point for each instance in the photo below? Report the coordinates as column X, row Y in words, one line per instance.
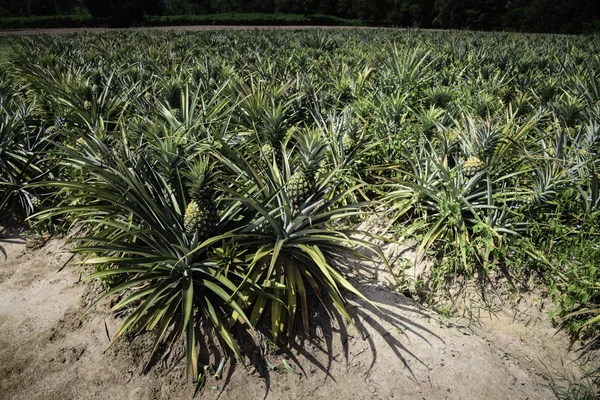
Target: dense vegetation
column 555, row 16
column 216, row 178
column 254, row 19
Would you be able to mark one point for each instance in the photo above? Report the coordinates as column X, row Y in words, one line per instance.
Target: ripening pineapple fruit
column 275, row 137
column 200, row 217
column 298, row 187
column 311, row 148
column 80, row 143
column 36, row 202
column 201, row 213
column 348, row 143
column 269, row 152
column 472, row 166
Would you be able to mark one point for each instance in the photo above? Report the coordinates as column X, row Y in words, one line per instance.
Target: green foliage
column 23, row 144
column 129, row 18
column 571, row 388
column 295, row 250
column 216, row 177
column 47, row 22
column 256, row 18
column 553, row 16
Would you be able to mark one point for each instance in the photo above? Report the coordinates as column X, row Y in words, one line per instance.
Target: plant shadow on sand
column 383, row 322
column 330, row 340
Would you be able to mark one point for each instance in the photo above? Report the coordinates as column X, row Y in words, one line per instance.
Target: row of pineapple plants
column 218, row 176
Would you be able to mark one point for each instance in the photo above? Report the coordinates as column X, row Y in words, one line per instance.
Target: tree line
column 553, row 16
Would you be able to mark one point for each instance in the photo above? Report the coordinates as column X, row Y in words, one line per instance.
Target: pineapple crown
column 311, row 146
column 275, row 126
column 479, row 138
column 200, row 179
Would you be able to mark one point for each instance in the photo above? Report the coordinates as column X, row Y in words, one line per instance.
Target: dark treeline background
column 554, row 16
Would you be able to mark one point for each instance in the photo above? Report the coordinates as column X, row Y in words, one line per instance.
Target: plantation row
column 218, row 176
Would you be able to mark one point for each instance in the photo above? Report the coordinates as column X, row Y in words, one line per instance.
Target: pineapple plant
column 171, row 90
column 437, row 119
column 480, row 144
column 311, row 149
column 452, row 135
column 201, row 213
column 275, row 136
column 430, row 118
column 440, row 97
column 353, row 128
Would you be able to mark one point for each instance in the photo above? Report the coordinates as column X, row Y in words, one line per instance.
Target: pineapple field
column 243, row 204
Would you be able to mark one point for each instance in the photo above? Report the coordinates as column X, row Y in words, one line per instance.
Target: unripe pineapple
column 393, row 127
column 472, row 166
column 311, row 146
column 298, row 188
column 201, row 217
column 201, row 214
column 80, row 143
column 269, row 152
column 60, row 122
column 36, row 202
column 348, row 143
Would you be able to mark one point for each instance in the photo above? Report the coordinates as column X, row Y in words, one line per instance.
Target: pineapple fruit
column 269, row 152
column 200, row 217
column 311, row 147
column 472, row 166
column 36, row 202
column 348, row 143
column 298, row 187
column 201, row 213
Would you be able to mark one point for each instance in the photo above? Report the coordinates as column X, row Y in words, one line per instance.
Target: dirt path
column 48, row 352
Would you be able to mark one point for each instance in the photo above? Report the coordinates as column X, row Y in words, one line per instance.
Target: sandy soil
column 49, row 351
